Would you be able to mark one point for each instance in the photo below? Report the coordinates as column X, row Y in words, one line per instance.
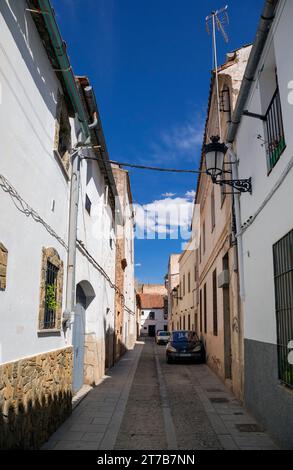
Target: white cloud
column 182, row 140
column 162, row 217
column 169, row 194
column 190, row 194
column 138, row 265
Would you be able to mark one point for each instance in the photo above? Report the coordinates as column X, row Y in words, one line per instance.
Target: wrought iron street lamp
column 214, row 155
column 175, row 294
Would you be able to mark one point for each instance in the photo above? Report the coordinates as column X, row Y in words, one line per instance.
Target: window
column 142, row 313
column 50, row 312
column 88, row 205
column 183, row 285
column 62, row 144
column 274, row 131
column 213, row 213
column 188, row 325
column 3, row 267
column 204, row 237
column 200, row 309
column 205, row 308
column 184, row 323
column 188, row 281
column 283, row 274
column 152, row 316
column 225, row 103
column 215, row 304
column 51, row 296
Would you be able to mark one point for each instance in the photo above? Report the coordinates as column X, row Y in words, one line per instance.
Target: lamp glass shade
column 214, row 162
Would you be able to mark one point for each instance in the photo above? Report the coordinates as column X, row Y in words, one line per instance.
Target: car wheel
column 168, row 360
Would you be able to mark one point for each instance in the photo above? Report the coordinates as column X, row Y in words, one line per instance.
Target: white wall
column 95, row 231
column 27, row 126
column 276, row 218
column 129, row 294
column 159, row 321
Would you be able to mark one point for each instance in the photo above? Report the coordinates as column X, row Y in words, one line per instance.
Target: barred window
column 205, row 308
column 51, row 297
column 275, row 138
column 215, row 304
column 51, row 292
column 283, row 274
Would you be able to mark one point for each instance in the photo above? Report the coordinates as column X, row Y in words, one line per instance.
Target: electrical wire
column 104, row 274
column 28, row 211
column 143, row 167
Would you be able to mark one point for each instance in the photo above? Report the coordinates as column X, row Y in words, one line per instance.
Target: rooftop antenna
column 219, row 19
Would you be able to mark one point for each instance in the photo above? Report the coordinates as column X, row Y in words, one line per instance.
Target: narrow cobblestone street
column 144, row 403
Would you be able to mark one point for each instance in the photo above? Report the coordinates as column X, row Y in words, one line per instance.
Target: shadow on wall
column 114, row 347
column 17, row 20
column 30, row 425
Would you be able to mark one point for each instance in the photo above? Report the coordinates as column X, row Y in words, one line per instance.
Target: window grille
column 275, row 139
column 283, row 275
column 215, row 304
column 50, row 297
column 205, row 308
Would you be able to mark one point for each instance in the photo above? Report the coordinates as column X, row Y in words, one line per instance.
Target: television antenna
column 218, row 20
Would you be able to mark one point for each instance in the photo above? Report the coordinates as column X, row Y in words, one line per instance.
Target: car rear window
column 184, row 336
column 164, row 333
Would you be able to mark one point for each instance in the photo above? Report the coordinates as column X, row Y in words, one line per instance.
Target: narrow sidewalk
column 95, row 422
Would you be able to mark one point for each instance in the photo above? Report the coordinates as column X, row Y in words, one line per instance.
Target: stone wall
column 94, row 359
column 35, row 398
column 3, row 266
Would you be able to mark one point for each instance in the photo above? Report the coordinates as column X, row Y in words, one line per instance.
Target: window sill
column 46, row 333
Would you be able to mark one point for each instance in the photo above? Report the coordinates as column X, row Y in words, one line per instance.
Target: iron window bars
column 275, row 139
column 50, row 296
column 283, row 276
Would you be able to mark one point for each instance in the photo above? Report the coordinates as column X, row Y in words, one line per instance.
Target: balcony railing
column 275, row 138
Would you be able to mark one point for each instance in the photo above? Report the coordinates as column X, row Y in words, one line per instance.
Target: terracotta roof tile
column 151, row 301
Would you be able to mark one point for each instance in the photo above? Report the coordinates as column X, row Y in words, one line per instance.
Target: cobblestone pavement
column 146, row 404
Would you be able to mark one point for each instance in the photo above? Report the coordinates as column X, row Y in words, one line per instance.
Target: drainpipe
column 72, row 233
column 77, row 156
column 65, row 69
column 235, row 176
column 266, row 20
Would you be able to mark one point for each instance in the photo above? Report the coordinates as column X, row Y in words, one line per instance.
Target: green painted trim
column 64, row 63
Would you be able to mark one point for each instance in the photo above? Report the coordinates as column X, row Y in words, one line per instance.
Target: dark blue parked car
column 185, row 345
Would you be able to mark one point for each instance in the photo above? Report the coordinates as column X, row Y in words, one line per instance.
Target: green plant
column 51, row 297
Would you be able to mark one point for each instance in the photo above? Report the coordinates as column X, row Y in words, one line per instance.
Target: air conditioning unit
column 223, row 279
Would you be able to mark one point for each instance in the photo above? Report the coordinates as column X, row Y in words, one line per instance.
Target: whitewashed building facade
column 57, row 265
column 261, row 130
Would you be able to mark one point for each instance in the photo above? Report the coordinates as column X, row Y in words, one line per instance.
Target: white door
column 78, row 345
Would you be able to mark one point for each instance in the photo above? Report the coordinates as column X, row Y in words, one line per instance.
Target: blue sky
column 149, row 62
